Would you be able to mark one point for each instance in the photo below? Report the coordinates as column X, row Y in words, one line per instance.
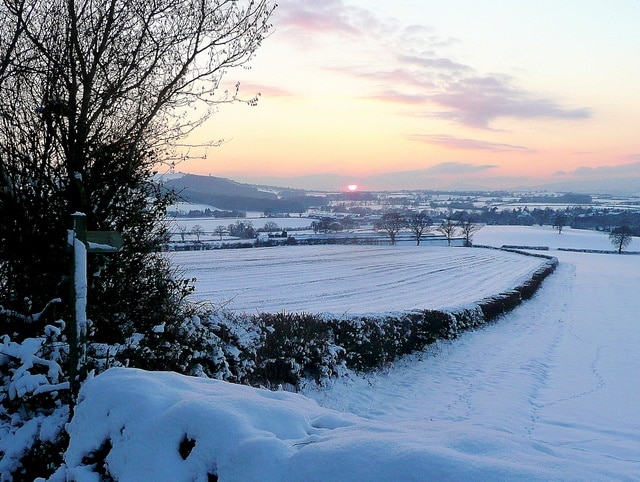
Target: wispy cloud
column 477, row 101
column 621, row 170
column 328, row 17
column 417, row 70
column 398, row 97
column 249, row 88
column 458, row 168
column 466, row 144
column 433, row 62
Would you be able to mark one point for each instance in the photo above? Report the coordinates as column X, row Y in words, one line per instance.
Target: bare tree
column 448, row 228
column 197, row 231
column 419, row 223
column 124, row 73
column 468, row 228
column 620, row 237
column 559, row 222
column 271, row 227
column 93, row 95
column 182, row 231
column 391, row 223
column 220, row 231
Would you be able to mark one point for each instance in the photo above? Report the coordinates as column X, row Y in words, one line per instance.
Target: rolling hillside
column 227, row 194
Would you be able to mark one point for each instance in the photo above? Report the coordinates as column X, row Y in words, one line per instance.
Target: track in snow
column 556, row 378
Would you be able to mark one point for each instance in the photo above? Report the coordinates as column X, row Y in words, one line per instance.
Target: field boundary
column 597, row 251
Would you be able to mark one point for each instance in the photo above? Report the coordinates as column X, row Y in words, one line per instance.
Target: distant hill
column 227, row 194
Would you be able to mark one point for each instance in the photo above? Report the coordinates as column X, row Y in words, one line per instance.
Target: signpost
column 83, row 242
column 104, row 241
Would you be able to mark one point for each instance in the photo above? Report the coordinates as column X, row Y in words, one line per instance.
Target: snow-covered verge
column 142, row 426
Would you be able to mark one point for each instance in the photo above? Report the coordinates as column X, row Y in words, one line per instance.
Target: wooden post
column 83, row 242
column 77, row 329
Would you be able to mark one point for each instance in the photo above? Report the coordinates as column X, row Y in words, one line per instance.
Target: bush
column 34, row 404
column 297, row 346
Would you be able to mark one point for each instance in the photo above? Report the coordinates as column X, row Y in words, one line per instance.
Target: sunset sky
column 432, row 94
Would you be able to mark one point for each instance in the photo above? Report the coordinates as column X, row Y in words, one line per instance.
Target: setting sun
column 352, row 187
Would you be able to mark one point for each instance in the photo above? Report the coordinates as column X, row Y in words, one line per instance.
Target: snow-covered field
column 549, row 392
column 546, row 236
column 352, row 279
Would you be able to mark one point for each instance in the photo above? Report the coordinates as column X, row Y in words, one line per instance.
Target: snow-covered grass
column 544, row 236
column 352, row 279
column 549, row 392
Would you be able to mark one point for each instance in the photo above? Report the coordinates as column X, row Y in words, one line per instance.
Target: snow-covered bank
column 167, row 427
column 549, row 392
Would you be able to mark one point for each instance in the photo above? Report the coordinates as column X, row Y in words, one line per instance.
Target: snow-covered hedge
column 34, row 404
column 302, row 346
column 288, row 349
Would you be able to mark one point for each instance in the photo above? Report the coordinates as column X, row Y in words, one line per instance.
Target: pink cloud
column 248, row 88
column 477, row 101
column 415, row 71
column 327, row 16
column 466, row 144
column 398, row 97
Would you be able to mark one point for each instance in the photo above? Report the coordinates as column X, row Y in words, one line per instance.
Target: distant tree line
column 568, row 198
column 451, row 225
column 208, row 213
column 327, row 224
column 464, row 223
column 577, row 217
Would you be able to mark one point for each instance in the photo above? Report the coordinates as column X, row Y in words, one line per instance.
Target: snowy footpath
column 552, row 385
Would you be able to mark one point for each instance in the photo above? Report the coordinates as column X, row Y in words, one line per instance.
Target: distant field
column 546, row 236
column 352, row 279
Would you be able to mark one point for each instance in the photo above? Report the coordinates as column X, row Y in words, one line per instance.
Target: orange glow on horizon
column 391, row 121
